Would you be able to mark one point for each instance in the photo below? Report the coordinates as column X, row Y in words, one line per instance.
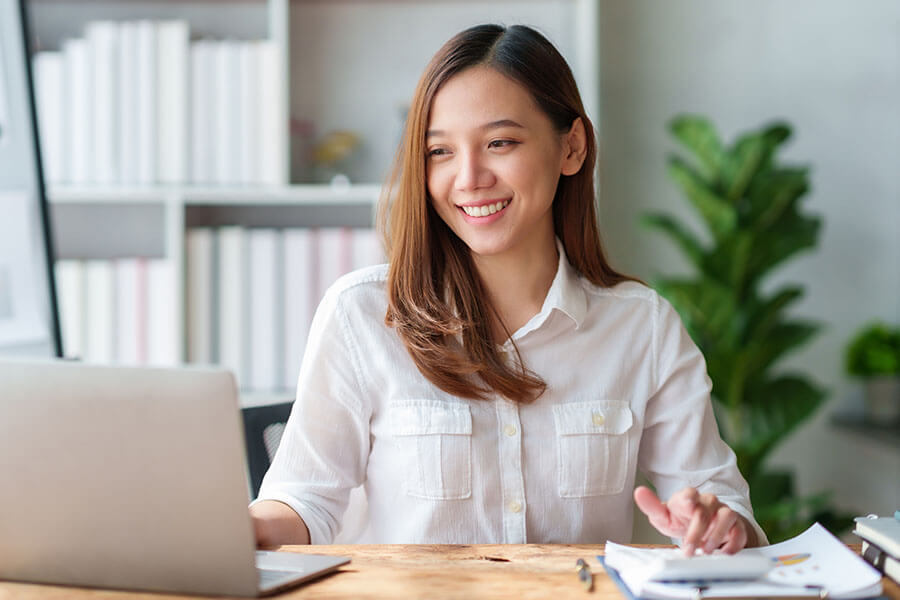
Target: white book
column 199, row 257
column 130, row 288
column 49, row 86
column 367, row 248
column 225, row 106
column 172, row 100
column 263, row 284
column 250, row 119
column 128, row 102
column 273, row 122
column 202, row 80
column 100, row 310
column 79, row 147
column 231, row 269
column 335, row 253
column 299, row 280
column 103, row 48
column 70, row 289
column 146, row 102
column 162, row 314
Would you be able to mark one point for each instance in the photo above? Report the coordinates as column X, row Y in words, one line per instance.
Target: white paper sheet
column 803, row 565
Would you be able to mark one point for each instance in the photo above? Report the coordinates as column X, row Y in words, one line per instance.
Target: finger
column 682, row 504
column 699, row 523
column 719, row 528
column 737, row 538
column 652, row 506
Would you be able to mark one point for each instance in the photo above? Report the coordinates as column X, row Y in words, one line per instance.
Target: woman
column 499, row 382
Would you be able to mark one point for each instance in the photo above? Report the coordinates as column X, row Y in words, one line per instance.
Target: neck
column 517, row 283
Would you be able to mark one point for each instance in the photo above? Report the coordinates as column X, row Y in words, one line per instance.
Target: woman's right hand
column 276, row 524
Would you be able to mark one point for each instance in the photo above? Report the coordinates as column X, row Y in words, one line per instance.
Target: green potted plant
column 750, row 207
column 874, row 356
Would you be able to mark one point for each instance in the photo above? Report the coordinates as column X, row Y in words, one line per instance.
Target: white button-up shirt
column 627, row 389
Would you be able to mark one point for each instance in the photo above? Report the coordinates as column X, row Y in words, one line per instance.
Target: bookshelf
column 344, row 65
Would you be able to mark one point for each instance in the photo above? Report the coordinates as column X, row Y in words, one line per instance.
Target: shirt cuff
column 318, row 533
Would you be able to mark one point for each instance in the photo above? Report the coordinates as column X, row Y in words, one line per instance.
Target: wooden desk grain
column 505, row 572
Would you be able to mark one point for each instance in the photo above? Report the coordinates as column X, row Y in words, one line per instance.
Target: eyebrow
column 492, row 125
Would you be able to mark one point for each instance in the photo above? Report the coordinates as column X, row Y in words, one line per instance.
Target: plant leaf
column 774, row 193
column 763, row 314
column 781, row 241
column 780, row 339
column 718, row 214
column 699, row 136
column 683, row 238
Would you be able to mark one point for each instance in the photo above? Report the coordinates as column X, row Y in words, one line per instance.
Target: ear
column 574, row 148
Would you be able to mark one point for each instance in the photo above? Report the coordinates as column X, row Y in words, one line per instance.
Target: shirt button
column 598, row 419
column 510, row 430
column 514, row 506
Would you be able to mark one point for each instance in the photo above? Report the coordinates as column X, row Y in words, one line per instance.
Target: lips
column 485, row 210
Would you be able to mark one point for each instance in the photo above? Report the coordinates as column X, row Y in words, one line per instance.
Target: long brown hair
column 436, row 300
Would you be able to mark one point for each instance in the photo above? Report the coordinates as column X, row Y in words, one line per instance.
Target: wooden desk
column 506, row 572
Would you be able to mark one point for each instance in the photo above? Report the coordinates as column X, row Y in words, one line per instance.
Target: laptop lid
column 123, row 478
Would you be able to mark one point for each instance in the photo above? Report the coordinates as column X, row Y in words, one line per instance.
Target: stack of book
column 137, row 102
column 249, row 298
column 881, row 543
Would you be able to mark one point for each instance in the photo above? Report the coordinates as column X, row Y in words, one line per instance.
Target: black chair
column 263, row 427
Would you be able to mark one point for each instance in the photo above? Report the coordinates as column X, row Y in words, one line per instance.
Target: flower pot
column 883, row 399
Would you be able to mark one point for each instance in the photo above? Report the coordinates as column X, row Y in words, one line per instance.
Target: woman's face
column 493, row 160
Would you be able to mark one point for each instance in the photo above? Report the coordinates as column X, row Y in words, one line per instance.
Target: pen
column 584, row 574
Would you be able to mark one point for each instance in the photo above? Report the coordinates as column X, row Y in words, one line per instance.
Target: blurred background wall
column 831, row 68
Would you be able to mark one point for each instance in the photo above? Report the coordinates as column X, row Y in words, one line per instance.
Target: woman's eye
column 437, row 152
column 502, row 143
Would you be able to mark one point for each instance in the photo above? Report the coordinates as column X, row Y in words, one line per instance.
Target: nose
column 472, row 172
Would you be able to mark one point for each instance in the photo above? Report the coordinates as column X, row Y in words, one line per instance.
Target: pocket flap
column 426, row 417
column 581, row 418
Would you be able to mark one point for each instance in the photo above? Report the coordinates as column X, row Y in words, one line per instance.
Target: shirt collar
column 566, row 295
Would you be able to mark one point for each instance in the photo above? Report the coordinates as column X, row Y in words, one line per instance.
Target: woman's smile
column 484, row 212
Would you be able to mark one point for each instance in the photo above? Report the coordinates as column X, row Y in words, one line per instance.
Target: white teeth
column 485, row 209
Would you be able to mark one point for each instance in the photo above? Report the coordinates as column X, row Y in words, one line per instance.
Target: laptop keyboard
column 269, row 578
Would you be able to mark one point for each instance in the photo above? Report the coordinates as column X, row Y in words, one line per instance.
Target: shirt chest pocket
column 592, row 447
column 434, row 440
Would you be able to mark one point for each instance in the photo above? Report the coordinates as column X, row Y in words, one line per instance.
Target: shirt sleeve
column 680, row 445
column 325, row 446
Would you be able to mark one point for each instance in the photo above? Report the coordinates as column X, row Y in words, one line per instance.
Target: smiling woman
column 498, row 381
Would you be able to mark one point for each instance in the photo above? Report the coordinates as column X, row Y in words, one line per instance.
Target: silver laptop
column 131, row 478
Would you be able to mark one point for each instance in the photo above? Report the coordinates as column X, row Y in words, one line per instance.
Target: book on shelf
column 100, row 304
column 136, row 102
column 249, row 299
column 76, row 81
column 128, row 103
column 265, row 293
column 298, row 277
column 118, row 311
column 200, row 309
column 146, row 105
column 162, row 314
column 103, row 55
column 131, row 288
column 232, row 295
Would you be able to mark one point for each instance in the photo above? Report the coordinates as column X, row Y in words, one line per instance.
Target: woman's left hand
column 700, row 520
